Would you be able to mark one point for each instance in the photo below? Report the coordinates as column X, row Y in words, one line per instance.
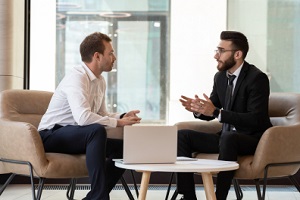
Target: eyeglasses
column 220, row 51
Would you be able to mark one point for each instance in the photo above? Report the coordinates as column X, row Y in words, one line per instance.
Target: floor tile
column 155, row 192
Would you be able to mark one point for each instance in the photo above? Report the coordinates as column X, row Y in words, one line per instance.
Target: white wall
column 195, row 31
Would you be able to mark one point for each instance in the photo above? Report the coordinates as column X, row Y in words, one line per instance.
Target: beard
column 227, row 64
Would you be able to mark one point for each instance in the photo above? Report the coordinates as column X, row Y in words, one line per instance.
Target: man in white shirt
column 75, row 120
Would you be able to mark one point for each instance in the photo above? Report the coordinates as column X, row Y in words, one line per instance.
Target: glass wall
column 140, row 37
column 273, row 27
column 283, row 45
column 164, row 48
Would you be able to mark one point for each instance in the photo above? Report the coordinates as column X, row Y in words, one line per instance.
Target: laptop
column 149, row 144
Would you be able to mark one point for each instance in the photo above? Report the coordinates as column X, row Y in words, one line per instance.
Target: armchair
column 278, row 152
column 21, row 148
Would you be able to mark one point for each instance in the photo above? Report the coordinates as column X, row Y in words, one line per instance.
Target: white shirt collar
column 89, row 72
column 236, row 72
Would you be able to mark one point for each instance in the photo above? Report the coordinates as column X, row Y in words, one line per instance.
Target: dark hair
column 239, row 41
column 91, row 44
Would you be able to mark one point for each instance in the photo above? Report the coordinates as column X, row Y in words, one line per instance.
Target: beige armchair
column 21, row 148
column 278, row 152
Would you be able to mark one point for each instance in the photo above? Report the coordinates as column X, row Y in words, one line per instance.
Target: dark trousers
column 90, row 140
column 229, row 145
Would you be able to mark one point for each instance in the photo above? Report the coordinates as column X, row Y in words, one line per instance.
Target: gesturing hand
column 203, row 106
column 186, row 102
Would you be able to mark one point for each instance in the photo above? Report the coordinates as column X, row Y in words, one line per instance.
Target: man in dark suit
column 239, row 100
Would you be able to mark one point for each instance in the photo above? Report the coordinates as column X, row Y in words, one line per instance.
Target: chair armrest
column 21, row 141
column 200, row 126
column 278, row 144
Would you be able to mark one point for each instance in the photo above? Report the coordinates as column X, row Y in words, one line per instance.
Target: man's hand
column 205, row 107
column 129, row 118
column 186, row 103
column 128, row 121
column 132, row 113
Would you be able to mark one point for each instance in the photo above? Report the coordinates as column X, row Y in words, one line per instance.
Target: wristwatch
column 216, row 112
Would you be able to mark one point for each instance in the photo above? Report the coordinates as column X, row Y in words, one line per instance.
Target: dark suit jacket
column 250, row 101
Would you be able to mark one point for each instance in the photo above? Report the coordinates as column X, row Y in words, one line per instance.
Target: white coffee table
column 205, row 167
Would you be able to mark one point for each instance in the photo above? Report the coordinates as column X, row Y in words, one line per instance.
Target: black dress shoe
column 186, row 197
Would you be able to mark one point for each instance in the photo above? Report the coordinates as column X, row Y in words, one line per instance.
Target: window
column 140, row 38
column 160, row 59
column 273, row 34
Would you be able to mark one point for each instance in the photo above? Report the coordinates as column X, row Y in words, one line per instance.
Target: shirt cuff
column 219, row 116
column 113, row 122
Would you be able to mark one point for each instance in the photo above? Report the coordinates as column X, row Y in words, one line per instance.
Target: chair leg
column 295, row 182
column 40, row 187
column 41, row 181
column 274, row 165
column 169, row 186
column 32, row 182
column 258, row 189
column 134, row 184
column 126, row 188
column 10, row 178
column 71, row 189
column 238, row 190
column 175, row 194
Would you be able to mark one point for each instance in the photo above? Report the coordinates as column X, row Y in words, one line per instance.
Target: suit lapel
column 239, row 81
column 223, row 82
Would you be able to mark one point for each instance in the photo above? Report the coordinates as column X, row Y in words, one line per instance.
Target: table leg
column 144, row 185
column 208, row 186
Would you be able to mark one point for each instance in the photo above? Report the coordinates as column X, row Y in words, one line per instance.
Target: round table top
column 199, row 165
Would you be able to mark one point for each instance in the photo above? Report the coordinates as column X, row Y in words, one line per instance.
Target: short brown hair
column 91, row 44
column 239, row 41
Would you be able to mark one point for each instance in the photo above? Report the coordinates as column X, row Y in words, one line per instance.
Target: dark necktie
column 228, row 97
column 229, row 92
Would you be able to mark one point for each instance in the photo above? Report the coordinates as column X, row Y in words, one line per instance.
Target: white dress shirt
column 79, row 100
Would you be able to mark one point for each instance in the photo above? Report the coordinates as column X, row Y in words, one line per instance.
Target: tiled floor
column 23, row 192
